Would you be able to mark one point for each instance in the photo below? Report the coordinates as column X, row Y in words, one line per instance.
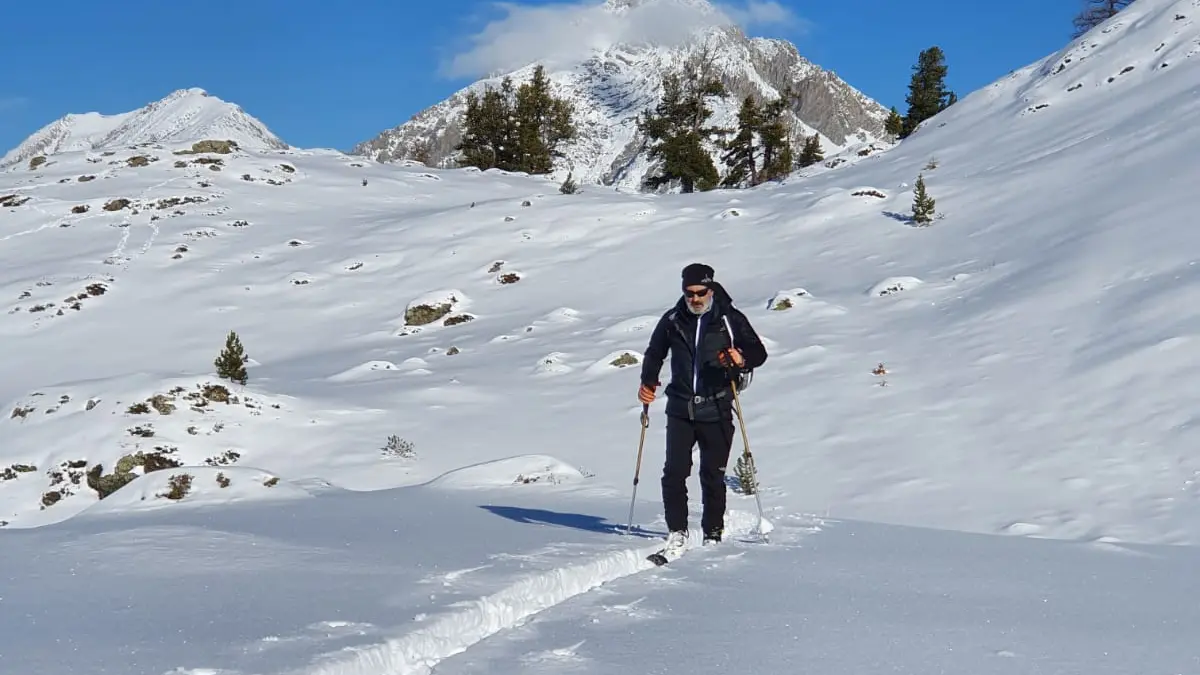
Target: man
column 710, row 342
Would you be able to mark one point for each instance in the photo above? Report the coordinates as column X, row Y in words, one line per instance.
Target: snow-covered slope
column 1033, row 335
column 1020, row 367
column 618, row 82
column 185, row 115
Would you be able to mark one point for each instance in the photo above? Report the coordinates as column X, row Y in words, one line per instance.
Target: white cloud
column 566, row 33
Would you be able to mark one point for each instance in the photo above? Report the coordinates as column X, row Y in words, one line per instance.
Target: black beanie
column 697, row 273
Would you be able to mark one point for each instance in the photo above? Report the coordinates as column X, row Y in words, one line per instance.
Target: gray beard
column 703, row 310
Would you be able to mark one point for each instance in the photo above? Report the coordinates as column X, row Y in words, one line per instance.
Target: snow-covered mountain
column 617, row 83
column 976, row 440
column 184, row 115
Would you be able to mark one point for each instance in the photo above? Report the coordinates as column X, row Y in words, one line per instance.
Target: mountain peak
column 182, row 116
column 610, row 87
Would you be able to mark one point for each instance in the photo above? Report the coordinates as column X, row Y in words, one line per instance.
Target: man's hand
column 731, row 357
column 646, row 394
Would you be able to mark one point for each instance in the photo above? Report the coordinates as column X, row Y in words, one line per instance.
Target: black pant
column 715, row 440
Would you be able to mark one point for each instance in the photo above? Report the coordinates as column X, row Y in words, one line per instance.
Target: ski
column 658, row 558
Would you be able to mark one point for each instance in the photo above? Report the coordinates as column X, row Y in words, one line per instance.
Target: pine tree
column 741, row 153
column 894, row 124
column 1096, row 12
column 515, row 128
column 927, row 93
column 922, row 208
column 543, row 122
column 775, row 133
column 811, row 153
column 487, row 134
column 231, row 362
column 676, row 132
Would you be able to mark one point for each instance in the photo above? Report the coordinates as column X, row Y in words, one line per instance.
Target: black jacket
column 676, row 334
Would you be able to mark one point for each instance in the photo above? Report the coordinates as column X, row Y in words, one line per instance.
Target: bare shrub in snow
column 569, row 186
column 625, row 359
column 457, row 319
column 161, row 403
column 179, row 486
column 399, row 447
column 224, row 459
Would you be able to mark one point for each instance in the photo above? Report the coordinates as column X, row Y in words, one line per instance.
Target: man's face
column 699, row 298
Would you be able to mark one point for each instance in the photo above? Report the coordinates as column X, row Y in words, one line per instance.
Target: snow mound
column 894, row 285
column 800, row 300
column 518, row 470
column 637, row 324
column 188, row 486
column 562, row 315
column 614, row 361
column 362, row 371
column 868, row 192
column 553, row 363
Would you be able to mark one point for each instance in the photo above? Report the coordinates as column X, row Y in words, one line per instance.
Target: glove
column 731, row 358
column 646, row 394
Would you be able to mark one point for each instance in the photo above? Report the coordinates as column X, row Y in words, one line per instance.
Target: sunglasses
column 696, row 294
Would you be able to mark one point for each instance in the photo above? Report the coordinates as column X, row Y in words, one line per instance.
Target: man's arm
column 656, row 353
column 746, row 340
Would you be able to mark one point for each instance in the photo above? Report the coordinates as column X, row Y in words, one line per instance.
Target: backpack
column 745, row 377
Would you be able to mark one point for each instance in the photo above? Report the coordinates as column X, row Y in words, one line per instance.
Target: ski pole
column 749, row 458
column 637, row 469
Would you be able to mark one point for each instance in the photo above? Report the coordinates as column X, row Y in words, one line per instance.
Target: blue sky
column 331, row 74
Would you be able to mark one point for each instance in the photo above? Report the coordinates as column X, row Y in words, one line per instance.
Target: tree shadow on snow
column 902, row 217
column 576, row 521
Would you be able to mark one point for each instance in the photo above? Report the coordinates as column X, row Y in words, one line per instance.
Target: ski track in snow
column 419, row 651
column 118, row 255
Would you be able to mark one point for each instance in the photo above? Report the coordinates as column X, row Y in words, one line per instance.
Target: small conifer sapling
column 923, row 204
column 231, row 362
column 746, row 475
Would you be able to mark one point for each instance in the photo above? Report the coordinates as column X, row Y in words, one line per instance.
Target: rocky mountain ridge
column 612, row 88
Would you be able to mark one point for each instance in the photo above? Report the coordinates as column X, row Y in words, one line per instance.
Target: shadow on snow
column 576, row 521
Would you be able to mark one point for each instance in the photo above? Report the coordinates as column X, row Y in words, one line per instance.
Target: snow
column 989, row 469
column 184, row 115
